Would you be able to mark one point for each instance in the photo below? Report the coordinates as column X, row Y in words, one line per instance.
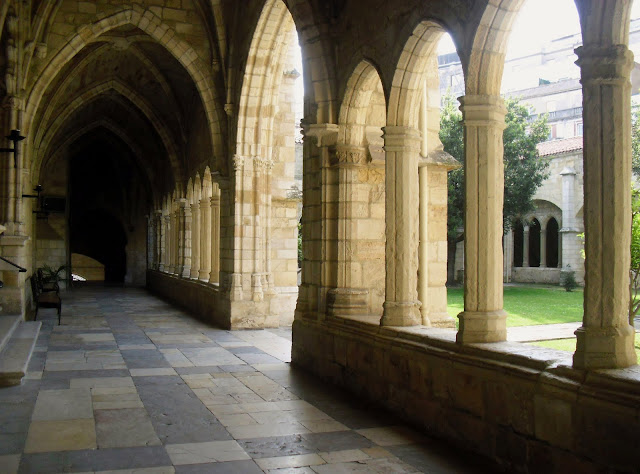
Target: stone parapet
column 519, row 404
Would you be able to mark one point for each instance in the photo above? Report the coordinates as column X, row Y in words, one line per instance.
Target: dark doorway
column 534, row 243
column 552, row 243
column 100, row 175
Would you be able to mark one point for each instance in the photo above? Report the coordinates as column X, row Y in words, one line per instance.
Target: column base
column 401, row 313
column 482, row 326
column 604, row 348
column 440, row 320
column 347, row 301
column 186, row 272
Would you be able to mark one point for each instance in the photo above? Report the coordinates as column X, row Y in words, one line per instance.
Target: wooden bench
column 45, row 297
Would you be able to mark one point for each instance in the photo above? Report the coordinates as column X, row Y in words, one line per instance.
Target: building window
column 578, row 129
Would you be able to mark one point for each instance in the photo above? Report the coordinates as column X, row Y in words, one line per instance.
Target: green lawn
column 530, row 305
column 569, row 345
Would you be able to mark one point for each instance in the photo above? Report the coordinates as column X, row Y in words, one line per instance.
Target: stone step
column 14, row 358
column 8, row 324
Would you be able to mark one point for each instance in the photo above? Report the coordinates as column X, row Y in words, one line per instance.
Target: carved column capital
column 604, row 64
column 238, row 162
column 325, row 134
column 349, row 155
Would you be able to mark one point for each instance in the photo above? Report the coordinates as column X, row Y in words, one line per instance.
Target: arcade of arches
column 166, row 128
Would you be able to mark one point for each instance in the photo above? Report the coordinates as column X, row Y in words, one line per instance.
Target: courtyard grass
column 529, row 305
column 569, row 345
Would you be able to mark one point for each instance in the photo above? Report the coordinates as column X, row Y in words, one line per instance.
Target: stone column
column 401, row 306
column 215, row 235
column 525, row 246
column 185, row 239
column 432, row 273
column 606, row 339
column 483, row 319
column 543, row 247
column 195, row 240
column 158, row 228
column 175, row 239
column 164, row 229
column 318, row 230
column 348, row 297
column 169, row 241
column 569, row 256
column 205, row 239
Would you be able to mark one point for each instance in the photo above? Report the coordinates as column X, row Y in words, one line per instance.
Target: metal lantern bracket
column 15, row 137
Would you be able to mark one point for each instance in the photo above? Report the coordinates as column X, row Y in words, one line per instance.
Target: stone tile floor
column 129, row 383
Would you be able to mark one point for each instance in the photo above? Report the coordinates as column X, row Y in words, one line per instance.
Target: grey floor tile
column 144, row 359
column 337, row 441
column 207, row 369
column 277, row 446
column 231, row 467
column 124, row 428
column 178, row 416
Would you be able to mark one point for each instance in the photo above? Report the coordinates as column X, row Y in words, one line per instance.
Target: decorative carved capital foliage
column 13, row 103
column 238, row 162
column 263, row 163
column 350, row 156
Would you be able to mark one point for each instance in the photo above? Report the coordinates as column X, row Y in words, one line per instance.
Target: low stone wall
column 201, row 299
column 524, row 406
column 549, row 276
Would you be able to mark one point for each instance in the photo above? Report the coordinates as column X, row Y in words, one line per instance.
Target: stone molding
column 325, row 134
column 483, row 110
column 349, row 155
column 401, row 139
column 602, row 65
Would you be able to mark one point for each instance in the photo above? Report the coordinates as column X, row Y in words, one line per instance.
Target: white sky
column 538, row 22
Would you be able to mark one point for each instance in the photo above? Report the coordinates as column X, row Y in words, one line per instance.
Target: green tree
column 635, row 142
column 524, row 170
column 634, row 271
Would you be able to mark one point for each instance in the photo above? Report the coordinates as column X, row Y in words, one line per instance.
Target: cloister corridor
column 129, row 382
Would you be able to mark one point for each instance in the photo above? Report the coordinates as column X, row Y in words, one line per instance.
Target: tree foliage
column 524, row 170
column 635, row 142
column 634, row 271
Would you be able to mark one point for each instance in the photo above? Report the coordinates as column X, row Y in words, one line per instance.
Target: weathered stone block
column 554, row 421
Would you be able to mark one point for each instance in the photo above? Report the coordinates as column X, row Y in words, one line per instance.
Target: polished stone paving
column 129, row 383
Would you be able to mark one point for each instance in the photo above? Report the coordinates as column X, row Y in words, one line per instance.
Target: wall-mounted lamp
column 15, row 137
column 39, row 212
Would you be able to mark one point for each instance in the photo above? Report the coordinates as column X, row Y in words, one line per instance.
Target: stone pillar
column 185, row 239
column 348, row 297
column 401, row 306
column 205, row 239
column 483, row 319
column 215, row 235
column 606, row 339
column 507, row 245
column 175, row 250
column 164, row 229
column 543, row 247
column 158, row 228
column 170, row 239
column 432, row 273
column 525, row 246
column 195, row 240
column 318, row 230
column 423, row 246
column 569, row 256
